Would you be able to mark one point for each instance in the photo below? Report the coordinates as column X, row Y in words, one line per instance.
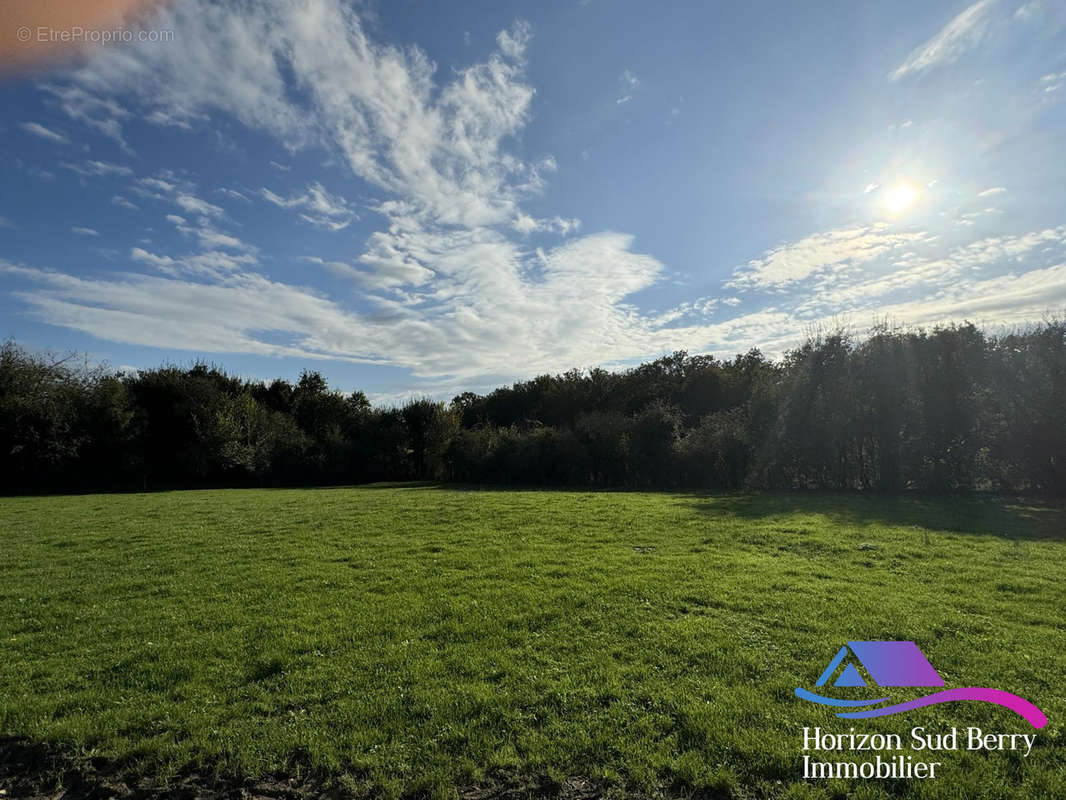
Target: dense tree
column 943, row 410
column 716, row 453
column 430, row 429
column 44, row 412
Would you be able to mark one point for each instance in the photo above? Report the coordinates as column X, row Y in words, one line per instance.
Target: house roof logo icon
column 887, row 663
column 895, row 664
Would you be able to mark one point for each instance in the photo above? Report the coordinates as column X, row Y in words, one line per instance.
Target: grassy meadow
column 417, row 640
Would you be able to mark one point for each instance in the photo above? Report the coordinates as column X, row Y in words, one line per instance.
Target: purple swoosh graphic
column 1019, row 705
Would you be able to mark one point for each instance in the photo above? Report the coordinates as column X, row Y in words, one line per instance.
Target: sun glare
column 900, row 198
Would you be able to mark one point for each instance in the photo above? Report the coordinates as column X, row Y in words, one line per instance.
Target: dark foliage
column 951, row 409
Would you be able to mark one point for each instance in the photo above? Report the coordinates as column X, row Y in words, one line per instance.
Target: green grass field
column 421, row 641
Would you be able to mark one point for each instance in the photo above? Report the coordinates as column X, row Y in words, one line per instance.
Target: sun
column 900, row 198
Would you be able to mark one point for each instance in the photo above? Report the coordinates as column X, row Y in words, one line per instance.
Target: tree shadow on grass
column 1018, row 518
column 1012, row 518
column 1007, row 517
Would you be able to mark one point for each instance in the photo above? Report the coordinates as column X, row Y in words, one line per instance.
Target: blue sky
column 432, row 197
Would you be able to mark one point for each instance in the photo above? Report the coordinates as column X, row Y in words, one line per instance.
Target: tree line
column 949, row 409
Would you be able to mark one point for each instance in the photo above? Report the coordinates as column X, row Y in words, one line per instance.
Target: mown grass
column 412, row 640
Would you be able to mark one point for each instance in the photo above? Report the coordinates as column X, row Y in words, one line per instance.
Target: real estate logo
column 901, row 664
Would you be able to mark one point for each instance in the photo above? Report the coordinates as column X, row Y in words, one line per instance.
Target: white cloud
column 97, row 168
column 920, row 275
column 210, row 237
column 393, row 260
column 168, row 188
column 162, row 117
column 318, row 207
column 1053, row 82
column 1026, row 10
column 388, row 273
column 628, row 83
column 160, row 312
column 513, row 43
column 44, row 133
column 122, row 202
column 1003, row 300
column 84, row 231
column 525, row 224
column 959, row 35
column 374, row 104
column 156, row 187
column 831, row 251
column 504, row 324
column 104, row 115
column 213, row 263
column 194, row 205
column 992, row 192
column 488, row 318
column 200, row 219
column 923, row 282
column 703, row 307
column 969, row 218
column 161, row 262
